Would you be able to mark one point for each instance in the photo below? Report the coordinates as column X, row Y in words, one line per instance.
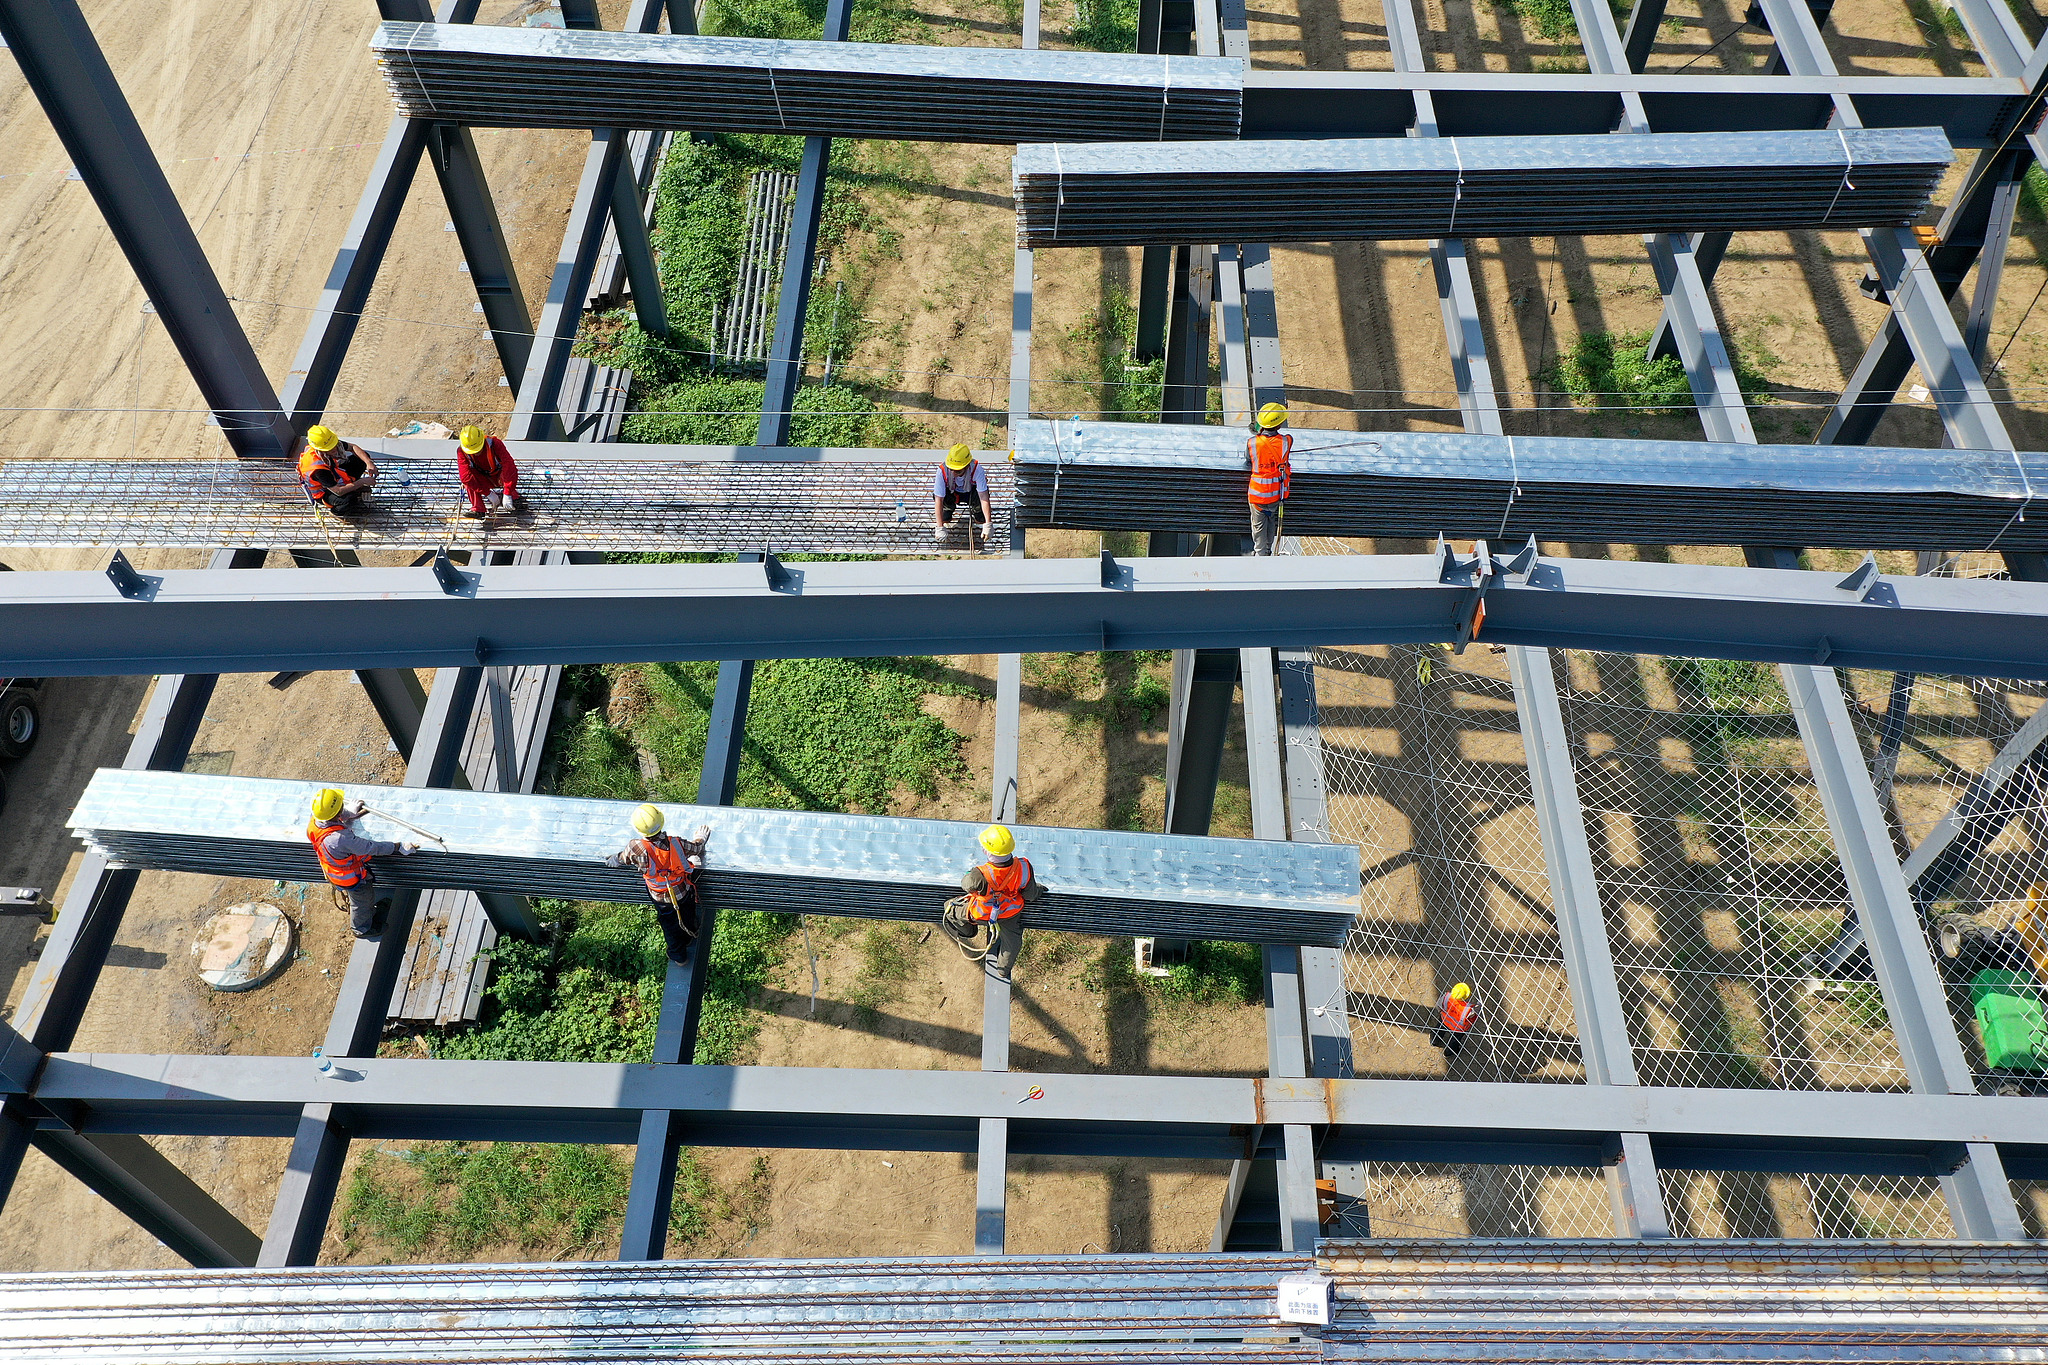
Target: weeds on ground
column 456, row 1199
column 888, row 957
column 1215, row 973
column 1132, row 390
column 1120, row 688
column 1606, row 370
column 1106, row 25
column 2033, row 205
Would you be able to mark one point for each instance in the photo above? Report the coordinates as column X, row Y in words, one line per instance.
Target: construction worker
column 961, row 480
column 1267, row 453
column 997, row 892
column 669, row 866
column 336, row 473
column 1455, row 1013
column 485, row 466
column 345, row 857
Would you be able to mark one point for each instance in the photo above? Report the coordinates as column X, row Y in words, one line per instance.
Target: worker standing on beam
column 345, row 857
column 337, row 474
column 669, row 866
column 1455, row 1014
column 988, row 922
column 1268, row 451
column 961, row 481
column 488, row 474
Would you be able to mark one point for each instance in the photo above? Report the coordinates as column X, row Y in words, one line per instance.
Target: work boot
column 996, row 972
column 517, row 503
column 472, row 514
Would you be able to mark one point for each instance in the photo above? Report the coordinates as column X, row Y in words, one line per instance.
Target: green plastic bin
column 2009, row 1019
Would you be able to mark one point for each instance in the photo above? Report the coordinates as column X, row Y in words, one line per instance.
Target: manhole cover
column 245, row 946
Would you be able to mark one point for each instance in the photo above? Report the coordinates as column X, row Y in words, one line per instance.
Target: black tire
column 21, row 725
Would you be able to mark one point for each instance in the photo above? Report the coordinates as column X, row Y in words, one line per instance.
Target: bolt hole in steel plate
column 245, row 946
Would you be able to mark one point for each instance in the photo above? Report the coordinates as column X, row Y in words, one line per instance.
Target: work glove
column 358, row 807
column 696, row 862
column 408, row 849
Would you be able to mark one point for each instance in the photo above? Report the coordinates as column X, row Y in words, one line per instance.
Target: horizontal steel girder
column 194, row 621
column 1326, row 104
column 850, row 1109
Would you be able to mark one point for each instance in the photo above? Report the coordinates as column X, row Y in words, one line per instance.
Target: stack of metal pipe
column 1372, row 189
column 869, row 867
column 486, row 76
column 1139, row 477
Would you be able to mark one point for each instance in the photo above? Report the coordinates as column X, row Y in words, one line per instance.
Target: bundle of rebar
column 1138, row 477
column 486, row 76
column 1377, row 189
column 863, row 866
column 881, row 504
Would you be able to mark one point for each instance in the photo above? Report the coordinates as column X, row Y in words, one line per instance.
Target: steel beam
column 76, row 624
column 141, row 1182
column 399, row 700
column 1644, row 17
column 452, row 153
column 629, row 225
column 1205, row 724
column 786, row 359
column 1185, row 395
column 58, row 56
column 1916, row 1004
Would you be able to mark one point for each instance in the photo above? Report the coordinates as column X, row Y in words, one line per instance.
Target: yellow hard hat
column 1461, row 991
column 959, row 457
column 647, row 820
column 322, row 438
column 1273, row 414
column 472, row 439
column 998, row 840
column 326, row 804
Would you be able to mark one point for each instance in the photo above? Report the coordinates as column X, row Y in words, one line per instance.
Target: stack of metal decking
column 486, row 76
column 864, row 866
column 1127, row 194
column 1138, row 477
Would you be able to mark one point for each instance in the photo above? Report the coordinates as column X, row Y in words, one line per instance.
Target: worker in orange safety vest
column 345, row 859
column 988, row 922
column 669, row 866
column 1455, row 1014
column 335, row 473
column 1267, row 452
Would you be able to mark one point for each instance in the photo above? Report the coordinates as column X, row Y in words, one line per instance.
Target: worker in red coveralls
column 485, row 464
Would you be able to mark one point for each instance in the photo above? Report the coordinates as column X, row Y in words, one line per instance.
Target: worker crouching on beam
column 669, row 866
column 489, row 477
column 961, row 482
column 337, row 474
column 988, row 922
column 1268, row 451
column 345, row 857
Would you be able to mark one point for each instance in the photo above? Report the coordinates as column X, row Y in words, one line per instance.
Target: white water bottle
column 323, row 1063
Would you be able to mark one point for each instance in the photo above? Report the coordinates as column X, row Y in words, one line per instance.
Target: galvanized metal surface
column 1036, row 1308
column 1400, row 1299
column 1144, row 477
column 537, row 78
column 721, row 506
column 1140, row 193
column 860, row 865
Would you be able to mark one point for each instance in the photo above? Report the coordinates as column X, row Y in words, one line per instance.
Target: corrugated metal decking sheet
column 1379, row 189
column 1162, row 1309
column 487, row 76
column 1137, row 476
column 1097, row 882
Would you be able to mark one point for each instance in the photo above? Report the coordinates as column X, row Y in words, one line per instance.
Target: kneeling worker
column 997, row 892
column 345, row 857
column 669, row 866
column 485, row 466
column 336, row 473
column 961, row 482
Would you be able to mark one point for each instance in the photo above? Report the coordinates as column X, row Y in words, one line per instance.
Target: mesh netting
column 1414, row 1199
column 1767, row 1204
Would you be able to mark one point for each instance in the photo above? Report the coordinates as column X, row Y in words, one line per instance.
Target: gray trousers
column 1266, row 526
column 1007, row 935
column 362, row 907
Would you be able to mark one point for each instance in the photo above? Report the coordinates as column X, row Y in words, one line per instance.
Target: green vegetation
column 2033, row 206
column 1131, row 390
column 1731, row 685
column 1605, row 370
column 1106, row 25
column 1551, row 18
column 1213, row 974
column 1120, row 689
column 888, row 956
column 455, row 1199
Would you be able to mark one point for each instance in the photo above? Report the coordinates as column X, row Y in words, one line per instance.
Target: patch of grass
column 1126, row 689
column 722, row 410
column 1131, row 390
column 456, row 1199
column 1606, row 370
column 1552, row 19
column 1731, row 685
column 1106, row 25
column 1214, row 973
column 888, row 956
column 2033, row 205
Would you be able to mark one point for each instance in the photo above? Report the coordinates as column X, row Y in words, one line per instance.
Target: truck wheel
column 20, row 724
column 1952, row 932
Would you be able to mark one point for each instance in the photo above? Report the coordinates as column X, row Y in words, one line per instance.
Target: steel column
column 645, row 1234
column 400, row 702
column 1916, row 1004
column 1633, row 1195
column 1643, row 20
column 1185, row 396
column 55, row 48
column 452, row 152
column 629, row 223
column 141, row 1182
column 1204, row 719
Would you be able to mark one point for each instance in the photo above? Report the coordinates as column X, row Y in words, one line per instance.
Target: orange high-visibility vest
column 1005, row 894
column 666, row 867
column 341, row 869
column 1271, row 471
column 1458, row 1015
column 310, row 460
